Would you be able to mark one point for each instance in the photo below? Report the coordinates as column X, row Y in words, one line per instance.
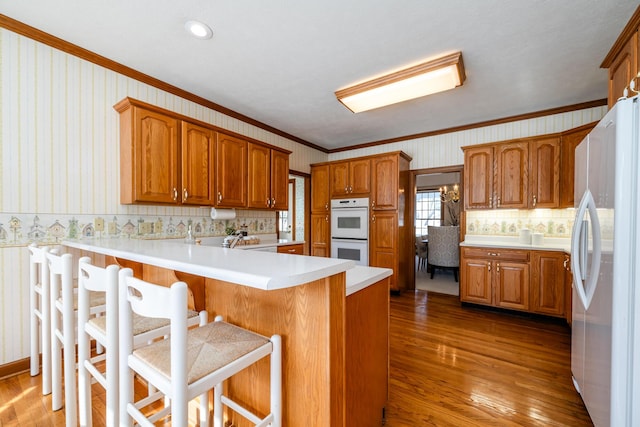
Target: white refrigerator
column 605, row 339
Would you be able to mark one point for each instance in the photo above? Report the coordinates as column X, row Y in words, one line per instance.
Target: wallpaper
column 59, row 162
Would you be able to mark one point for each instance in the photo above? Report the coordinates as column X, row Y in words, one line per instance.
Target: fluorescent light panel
column 420, row 80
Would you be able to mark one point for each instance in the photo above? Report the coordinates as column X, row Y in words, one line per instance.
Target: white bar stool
column 104, row 329
column 63, row 324
column 40, row 315
column 190, row 362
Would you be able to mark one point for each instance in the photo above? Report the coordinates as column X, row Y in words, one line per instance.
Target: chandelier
column 448, row 196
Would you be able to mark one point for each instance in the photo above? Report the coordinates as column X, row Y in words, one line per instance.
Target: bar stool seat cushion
column 141, row 324
column 209, row 348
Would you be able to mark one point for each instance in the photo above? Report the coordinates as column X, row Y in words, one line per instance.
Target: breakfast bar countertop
column 262, row 270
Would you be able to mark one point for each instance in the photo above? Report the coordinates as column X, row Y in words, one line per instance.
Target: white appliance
column 605, row 339
column 350, row 229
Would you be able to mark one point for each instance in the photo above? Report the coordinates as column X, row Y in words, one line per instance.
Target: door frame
column 411, row 282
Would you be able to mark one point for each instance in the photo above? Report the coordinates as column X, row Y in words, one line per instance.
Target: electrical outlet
column 145, row 227
column 99, row 224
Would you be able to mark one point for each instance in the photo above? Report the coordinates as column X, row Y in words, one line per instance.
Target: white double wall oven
column 350, row 229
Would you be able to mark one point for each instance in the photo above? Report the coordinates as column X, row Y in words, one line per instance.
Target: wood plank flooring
column 449, row 366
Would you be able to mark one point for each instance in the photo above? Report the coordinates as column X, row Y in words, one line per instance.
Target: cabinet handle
column 291, row 251
column 373, row 218
column 326, row 206
column 326, row 218
column 535, row 200
column 219, row 197
column 498, row 202
column 346, row 189
column 490, row 202
column 489, row 267
column 185, row 194
column 175, row 193
column 498, row 267
column 273, row 202
column 269, row 202
column 373, row 204
column 350, row 189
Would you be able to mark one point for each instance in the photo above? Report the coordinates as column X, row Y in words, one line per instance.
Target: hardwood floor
column 453, row 366
column 449, row 366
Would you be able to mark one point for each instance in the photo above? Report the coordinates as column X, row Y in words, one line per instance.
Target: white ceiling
column 280, row 62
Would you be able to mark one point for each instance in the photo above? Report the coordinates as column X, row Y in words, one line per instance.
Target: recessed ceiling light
column 198, row 30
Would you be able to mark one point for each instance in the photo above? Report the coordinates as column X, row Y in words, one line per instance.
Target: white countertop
column 548, row 244
column 262, row 270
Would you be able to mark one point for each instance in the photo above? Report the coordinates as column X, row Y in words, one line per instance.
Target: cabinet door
column 383, row 244
column 339, row 184
column 320, row 189
column 544, row 173
column 512, row 172
column 478, row 178
column 511, row 284
column 547, row 282
column 259, row 185
column 231, row 172
column 320, row 237
column 384, row 182
column 623, row 68
column 360, row 177
column 568, row 143
column 198, row 145
column 279, row 180
column 155, row 161
column 475, row 281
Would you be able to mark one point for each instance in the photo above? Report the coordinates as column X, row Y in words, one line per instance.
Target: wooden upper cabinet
column 569, row 140
column 268, row 178
column 384, row 182
column 478, row 177
column 149, row 162
column 231, row 172
column 198, row 155
column 320, row 200
column 623, row 60
column 512, row 173
column 259, row 177
column 623, row 69
column 544, row 177
column 350, row 178
column 279, row 180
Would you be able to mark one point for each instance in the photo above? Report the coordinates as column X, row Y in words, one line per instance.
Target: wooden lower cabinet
column 383, row 251
column 515, row 279
column 548, row 283
column 320, row 235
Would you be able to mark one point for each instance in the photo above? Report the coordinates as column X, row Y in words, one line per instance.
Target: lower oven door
column 350, row 249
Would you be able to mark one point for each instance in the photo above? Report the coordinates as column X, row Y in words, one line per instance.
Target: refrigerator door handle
column 585, row 281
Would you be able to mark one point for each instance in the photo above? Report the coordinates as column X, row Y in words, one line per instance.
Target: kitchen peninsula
column 332, row 316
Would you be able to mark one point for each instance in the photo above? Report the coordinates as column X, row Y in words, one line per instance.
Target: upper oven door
column 350, row 223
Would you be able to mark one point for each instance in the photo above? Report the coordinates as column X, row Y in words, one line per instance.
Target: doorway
column 293, row 223
column 427, row 207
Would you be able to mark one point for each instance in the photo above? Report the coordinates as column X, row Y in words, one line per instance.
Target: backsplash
column 507, row 222
column 24, row 229
column 550, row 222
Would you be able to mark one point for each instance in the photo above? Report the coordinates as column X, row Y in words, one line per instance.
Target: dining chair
column 444, row 250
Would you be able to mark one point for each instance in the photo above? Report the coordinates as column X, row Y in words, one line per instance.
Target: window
column 428, row 210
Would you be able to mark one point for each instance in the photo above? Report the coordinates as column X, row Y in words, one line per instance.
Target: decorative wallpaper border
column 24, row 229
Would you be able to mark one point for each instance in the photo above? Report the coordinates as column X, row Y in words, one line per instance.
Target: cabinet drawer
column 496, row 253
column 291, row 249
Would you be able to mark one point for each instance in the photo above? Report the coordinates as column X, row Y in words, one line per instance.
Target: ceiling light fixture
column 198, row 29
column 420, row 80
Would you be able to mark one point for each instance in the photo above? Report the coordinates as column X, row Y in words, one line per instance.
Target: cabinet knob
column 269, row 202
column 535, row 200
column 219, row 197
column 185, row 194
column 175, row 193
